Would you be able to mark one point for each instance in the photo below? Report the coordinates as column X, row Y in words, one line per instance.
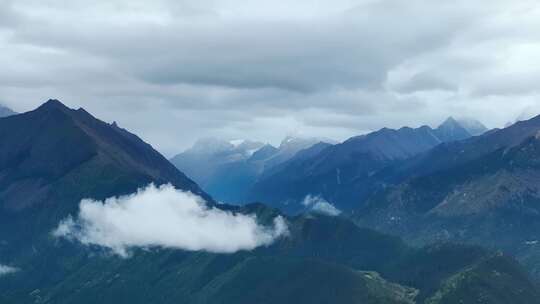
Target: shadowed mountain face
column 52, row 157
column 4, row 111
column 346, row 174
column 484, row 190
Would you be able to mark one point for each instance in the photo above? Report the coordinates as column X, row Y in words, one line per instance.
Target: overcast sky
column 173, row 70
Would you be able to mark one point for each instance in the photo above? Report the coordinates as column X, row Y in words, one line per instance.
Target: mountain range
column 346, row 174
column 227, row 170
column 53, row 157
column 483, row 190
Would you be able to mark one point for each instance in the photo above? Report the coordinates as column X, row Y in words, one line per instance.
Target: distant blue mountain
column 451, row 130
column 473, row 126
column 227, row 169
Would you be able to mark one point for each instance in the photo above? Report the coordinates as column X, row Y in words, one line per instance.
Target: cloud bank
column 318, row 204
column 168, row 218
column 4, row 270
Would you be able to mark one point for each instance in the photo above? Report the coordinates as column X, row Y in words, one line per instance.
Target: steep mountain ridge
column 53, row 157
column 488, row 194
column 346, row 174
column 37, row 155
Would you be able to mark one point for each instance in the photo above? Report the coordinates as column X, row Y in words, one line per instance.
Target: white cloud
column 7, row 270
column 320, row 205
column 169, row 218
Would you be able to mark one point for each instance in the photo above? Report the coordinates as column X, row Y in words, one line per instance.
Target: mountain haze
column 473, row 126
column 226, row 170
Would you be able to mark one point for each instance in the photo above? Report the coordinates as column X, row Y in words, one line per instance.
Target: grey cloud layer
column 351, row 49
column 209, row 68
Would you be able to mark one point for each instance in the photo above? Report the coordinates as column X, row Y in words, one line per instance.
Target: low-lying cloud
column 168, row 218
column 320, row 205
column 4, row 270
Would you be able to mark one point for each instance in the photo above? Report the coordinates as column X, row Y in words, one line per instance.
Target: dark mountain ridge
column 59, row 139
column 53, row 157
column 454, row 153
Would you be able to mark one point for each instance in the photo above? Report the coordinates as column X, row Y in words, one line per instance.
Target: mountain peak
column 450, row 122
column 71, row 141
column 451, row 130
column 54, row 103
column 473, row 126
